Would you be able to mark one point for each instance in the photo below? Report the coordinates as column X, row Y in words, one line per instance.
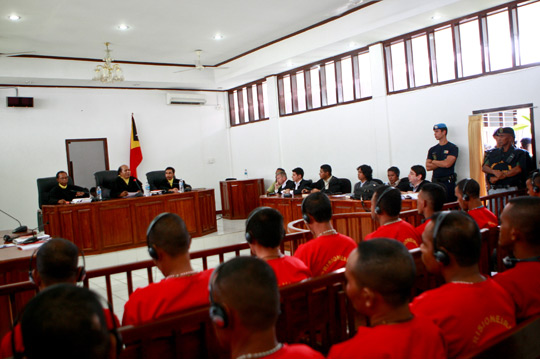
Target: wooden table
column 291, row 207
column 240, row 197
column 119, row 224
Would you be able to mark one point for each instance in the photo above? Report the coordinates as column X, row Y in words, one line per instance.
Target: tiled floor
column 229, row 232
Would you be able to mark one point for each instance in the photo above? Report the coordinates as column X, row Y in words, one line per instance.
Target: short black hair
column 265, row 225
column 390, row 203
column 419, row 170
column 525, row 216
column 436, row 195
column 170, row 234
column 367, row 171
column 59, row 172
column 459, row 235
column 249, row 286
column 525, row 141
column 170, row 168
column 386, row 266
column 327, row 168
column 395, row 170
column 299, row 171
column 469, row 186
column 318, row 206
column 65, row 321
column 56, row 261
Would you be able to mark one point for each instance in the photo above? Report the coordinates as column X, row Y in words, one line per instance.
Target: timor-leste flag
column 135, row 153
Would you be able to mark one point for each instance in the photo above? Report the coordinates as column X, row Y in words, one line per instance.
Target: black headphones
column 305, row 216
column 440, row 255
column 378, row 209
column 465, row 196
column 217, row 312
column 536, row 189
column 113, row 330
column 249, row 224
column 82, row 270
column 510, row 262
column 151, row 250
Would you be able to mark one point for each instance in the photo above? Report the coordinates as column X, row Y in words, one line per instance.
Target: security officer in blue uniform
column 441, row 159
column 505, row 165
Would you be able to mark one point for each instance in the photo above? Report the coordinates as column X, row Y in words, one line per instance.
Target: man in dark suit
column 417, row 177
column 64, row 192
column 172, row 184
column 283, row 184
column 125, row 183
column 327, row 184
column 299, row 182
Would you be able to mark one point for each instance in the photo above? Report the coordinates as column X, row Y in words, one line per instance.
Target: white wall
column 32, row 140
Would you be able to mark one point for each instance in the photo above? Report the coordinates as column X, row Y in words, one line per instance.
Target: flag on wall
column 135, row 153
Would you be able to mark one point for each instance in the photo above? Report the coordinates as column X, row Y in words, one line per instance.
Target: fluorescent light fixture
column 14, row 17
column 218, row 36
column 123, row 27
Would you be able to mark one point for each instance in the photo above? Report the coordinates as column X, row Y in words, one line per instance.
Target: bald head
column 248, row 285
column 169, row 233
column 56, row 261
column 524, row 215
column 385, row 266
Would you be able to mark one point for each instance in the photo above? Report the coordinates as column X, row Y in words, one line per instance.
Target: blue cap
column 440, row 126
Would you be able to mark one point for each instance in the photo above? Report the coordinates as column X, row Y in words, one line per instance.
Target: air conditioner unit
column 185, row 99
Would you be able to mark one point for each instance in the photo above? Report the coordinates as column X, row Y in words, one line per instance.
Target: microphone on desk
column 21, row 228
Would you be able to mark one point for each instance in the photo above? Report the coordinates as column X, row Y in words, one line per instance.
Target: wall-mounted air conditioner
column 185, row 99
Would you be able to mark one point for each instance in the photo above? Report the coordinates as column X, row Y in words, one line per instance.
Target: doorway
column 84, row 158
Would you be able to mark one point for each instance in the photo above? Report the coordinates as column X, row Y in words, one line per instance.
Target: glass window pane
column 529, row 29
column 265, row 99
column 365, row 75
column 236, row 110
column 287, row 94
column 347, row 79
column 399, row 69
column 315, row 87
column 444, row 54
column 246, row 106
column 255, row 102
column 301, row 90
column 500, row 46
column 331, row 82
column 420, row 60
column 471, row 54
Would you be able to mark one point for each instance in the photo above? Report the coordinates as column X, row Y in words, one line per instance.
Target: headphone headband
column 217, row 312
column 378, row 209
column 440, row 255
column 151, row 250
column 80, row 277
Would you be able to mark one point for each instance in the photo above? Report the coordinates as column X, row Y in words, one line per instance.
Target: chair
column 105, row 179
column 45, row 185
column 378, row 181
column 153, row 178
column 345, row 185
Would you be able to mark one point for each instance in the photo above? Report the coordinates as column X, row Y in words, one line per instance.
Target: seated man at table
column 66, row 321
column 380, row 276
column 56, row 262
column 172, row 184
column 244, row 311
column 64, row 193
column 520, row 232
column 283, row 183
column 417, row 177
column 125, row 184
column 299, row 182
column 431, row 199
column 470, row 309
column 327, row 184
column 393, row 180
column 264, row 233
column 468, row 196
column 328, row 250
column 385, row 208
column 272, row 188
column 366, row 187
column 168, row 244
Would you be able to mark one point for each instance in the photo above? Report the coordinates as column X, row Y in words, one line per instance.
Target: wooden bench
column 521, row 342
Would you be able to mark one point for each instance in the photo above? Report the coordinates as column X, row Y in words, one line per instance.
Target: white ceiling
column 168, row 31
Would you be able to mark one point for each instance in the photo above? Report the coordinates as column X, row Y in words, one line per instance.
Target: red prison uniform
column 402, row 231
column 484, row 217
column 469, row 314
column 289, row 270
column 326, row 254
column 170, row 295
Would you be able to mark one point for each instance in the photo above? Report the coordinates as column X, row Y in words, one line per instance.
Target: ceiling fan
column 198, row 64
column 8, row 54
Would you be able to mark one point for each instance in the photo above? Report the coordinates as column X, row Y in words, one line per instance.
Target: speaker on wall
column 20, row 102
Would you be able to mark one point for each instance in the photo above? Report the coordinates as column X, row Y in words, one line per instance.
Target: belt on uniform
column 451, row 178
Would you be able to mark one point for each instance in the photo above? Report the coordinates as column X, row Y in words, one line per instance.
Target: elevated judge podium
column 240, row 197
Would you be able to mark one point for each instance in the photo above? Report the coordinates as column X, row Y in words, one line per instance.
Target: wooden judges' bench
column 119, row 224
column 291, row 207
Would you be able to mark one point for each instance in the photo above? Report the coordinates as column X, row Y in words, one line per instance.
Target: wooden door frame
column 105, row 150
